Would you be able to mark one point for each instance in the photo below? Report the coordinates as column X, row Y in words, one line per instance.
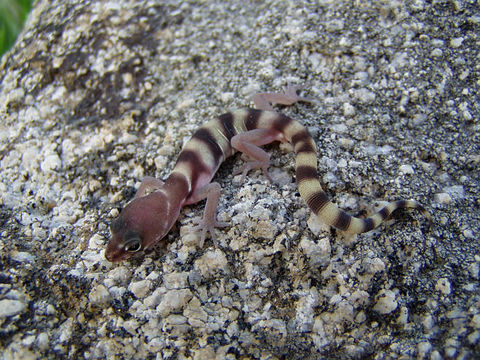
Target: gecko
column 147, row 219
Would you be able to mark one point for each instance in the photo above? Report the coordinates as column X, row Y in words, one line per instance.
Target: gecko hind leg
column 249, row 144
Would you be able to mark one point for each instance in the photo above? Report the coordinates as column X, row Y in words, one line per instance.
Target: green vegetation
column 12, row 15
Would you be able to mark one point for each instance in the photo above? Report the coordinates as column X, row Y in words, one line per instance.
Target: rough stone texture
column 96, row 95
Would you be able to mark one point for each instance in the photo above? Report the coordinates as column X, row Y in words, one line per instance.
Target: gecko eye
column 133, row 245
column 132, row 241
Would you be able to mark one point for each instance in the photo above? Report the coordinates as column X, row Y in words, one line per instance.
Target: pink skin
column 138, row 227
column 144, row 222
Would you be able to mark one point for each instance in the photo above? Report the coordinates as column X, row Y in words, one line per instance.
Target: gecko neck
column 177, row 189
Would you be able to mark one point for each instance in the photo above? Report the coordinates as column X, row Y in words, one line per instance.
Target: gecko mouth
column 115, row 255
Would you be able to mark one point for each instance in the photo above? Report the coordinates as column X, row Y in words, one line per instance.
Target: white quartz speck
column 437, row 52
column 304, row 309
column 474, row 270
column 10, row 307
column 456, row 42
column 155, row 298
column 469, row 234
column 386, row 302
column 140, row 288
column 120, row 274
column 42, row 341
column 15, row 95
column 348, row 109
column 65, row 331
column 30, row 158
column 174, row 300
column 457, row 192
column 127, row 139
column 96, row 242
column 211, row 262
column 406, row 169
column 424, row 348
column 99, row 295
column 443, row 285
column 51, row 162
column 335, row 25
column 22, row 256
column 364, row 96
column 443, row 198
column 318, row 252
column 372, row 266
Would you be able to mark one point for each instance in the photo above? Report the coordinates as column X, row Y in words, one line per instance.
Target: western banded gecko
column 156, row 206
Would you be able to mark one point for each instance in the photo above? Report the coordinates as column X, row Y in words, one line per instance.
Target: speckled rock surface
column 97, row 95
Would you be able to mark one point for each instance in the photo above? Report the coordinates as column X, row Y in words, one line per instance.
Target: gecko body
column 156, row 207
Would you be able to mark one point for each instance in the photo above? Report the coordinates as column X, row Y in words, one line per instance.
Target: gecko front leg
column 264, row 101
column 208, row 222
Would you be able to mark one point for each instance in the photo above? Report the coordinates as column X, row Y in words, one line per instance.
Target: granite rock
column 96, row 95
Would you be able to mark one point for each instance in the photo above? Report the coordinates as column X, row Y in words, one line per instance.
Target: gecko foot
column 265, row 101
column 250, row 165
column 203, row 226
column 290, row 91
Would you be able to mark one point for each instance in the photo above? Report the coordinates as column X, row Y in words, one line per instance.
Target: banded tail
column 311, row 190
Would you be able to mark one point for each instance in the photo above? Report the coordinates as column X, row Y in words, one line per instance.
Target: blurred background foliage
column 12, row 16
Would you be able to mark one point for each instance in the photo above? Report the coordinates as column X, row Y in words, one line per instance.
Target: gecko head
column 140, row 226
